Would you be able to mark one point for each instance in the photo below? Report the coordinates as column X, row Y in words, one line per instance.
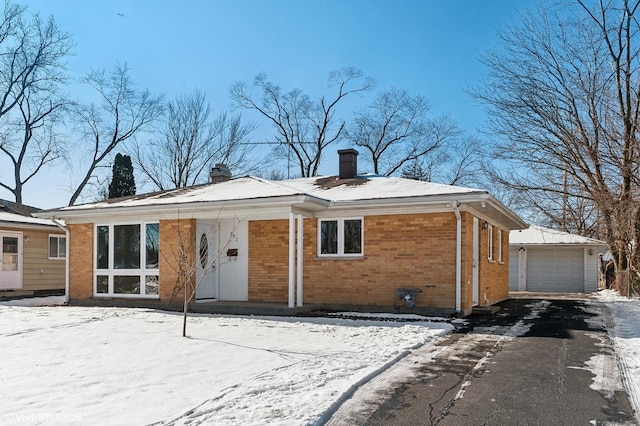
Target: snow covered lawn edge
column 122, row 365
column 625, row 337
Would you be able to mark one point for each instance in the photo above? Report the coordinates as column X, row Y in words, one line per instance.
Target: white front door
column 206, row 261
column 476, row 261
column 10, row 260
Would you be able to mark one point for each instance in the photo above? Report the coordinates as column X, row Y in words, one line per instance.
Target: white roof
column 245, row 188
column 252, row 188
column 372, row 187
column 539, row 235
column 309, row 194
column 15, row 219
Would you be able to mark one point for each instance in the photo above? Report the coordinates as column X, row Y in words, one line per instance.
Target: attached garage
column 546, row 260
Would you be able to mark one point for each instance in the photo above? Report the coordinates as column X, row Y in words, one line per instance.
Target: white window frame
column 499, row 245
column 340, row 252
column 490, row 242
column 143, row 272
column 57, row 237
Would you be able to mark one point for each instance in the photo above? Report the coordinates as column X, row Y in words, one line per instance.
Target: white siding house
column 546, row 260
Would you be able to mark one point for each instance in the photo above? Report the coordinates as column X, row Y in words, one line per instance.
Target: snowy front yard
column 73, row 365
column 131, row 366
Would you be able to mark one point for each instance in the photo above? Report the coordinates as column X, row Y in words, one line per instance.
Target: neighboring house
column 546, row 260
column 335, row 242
column 32, row 251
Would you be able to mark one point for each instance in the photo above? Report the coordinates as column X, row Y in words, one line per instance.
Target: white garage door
column 555, row 269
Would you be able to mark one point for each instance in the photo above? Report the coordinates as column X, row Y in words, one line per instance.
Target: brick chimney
column 219, row 173
column 348, row 163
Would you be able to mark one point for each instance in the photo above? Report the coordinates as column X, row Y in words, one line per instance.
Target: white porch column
column 292, row 259
column 299, row 260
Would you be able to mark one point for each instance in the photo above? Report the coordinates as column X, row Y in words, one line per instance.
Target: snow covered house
column 32, row 251
column 546, row 260
column 337, row 242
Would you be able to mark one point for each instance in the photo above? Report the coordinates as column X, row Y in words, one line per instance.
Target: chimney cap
column 347, row 151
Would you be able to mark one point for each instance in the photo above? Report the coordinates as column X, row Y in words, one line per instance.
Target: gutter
column 456, row 210
column 66, row 260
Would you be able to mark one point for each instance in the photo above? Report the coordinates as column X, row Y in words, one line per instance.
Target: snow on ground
column 625, row 335
column 82, row 365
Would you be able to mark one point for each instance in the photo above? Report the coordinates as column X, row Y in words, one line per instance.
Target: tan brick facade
column 494, row 281
column 416, row 250
column 80, row 261
column 409, row 250
column 269, row 260
column 413, row 250
column 174, row 234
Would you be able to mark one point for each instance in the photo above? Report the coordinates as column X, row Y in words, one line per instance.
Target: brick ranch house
column 346, row 241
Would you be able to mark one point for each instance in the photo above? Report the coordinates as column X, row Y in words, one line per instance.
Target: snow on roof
column 18, row 218
column 371, row 187
column 248, row 188
column 539, row 235
column 245, row 188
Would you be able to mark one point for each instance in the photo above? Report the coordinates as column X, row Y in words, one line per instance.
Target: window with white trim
column 490, row 241
column 57, row 247
column 126, row 260
column 499, row 245
column 340, row 237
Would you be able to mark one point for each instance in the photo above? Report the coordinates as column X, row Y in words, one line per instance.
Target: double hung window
column 126, row 259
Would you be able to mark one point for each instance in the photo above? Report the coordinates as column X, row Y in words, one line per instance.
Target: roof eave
column 187, row 208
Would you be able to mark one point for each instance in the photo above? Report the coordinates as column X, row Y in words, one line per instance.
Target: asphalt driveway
column 535, row 362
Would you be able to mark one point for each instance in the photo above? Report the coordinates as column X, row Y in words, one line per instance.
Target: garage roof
column 540, row 235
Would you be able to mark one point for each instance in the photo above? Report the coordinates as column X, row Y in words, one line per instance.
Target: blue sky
column 427, row 47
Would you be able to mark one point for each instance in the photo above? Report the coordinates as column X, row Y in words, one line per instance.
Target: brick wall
column 400, row 251
column 174, row 234
column 414, row 250
column 269, row 260
column 494, row 274
column 81, row 261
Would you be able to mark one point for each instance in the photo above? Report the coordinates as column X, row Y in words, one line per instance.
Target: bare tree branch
column 123, row 112
column 302, row 126
column 190, row 144
column 564, row 95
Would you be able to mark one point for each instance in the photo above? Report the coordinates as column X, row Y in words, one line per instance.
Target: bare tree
column 30, row 141
column 304, row 127
column 397, row 129
column 122, row 113
column 32, row 71
column 190, row 143
column 458, row 161
column 563, row 94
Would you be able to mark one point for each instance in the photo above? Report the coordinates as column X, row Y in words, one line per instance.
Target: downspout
column 299, row 261
column 66, row 260
column 292, row 260
column 454, row 204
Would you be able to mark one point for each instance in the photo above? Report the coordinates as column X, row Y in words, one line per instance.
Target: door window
column 204, row 251
column 9, row 253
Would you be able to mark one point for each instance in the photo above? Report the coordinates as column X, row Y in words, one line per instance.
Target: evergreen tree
column 122, row 182
column 415, row 170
